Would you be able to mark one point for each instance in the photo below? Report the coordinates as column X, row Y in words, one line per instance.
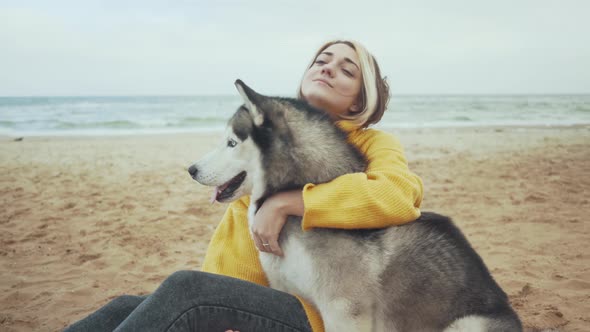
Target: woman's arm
column 271, row 218
column 386, row 194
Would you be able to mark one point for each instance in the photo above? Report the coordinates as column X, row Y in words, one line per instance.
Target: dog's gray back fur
column 421, row 276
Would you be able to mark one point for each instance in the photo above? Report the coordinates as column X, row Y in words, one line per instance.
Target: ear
column 251, row 100
column 354, row 108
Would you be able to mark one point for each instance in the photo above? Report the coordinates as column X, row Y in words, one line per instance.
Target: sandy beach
column 86, row 219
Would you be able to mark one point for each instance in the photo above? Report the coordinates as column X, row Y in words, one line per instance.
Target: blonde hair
column 374, row 94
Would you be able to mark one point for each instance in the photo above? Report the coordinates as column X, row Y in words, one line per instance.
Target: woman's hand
column 271, row 217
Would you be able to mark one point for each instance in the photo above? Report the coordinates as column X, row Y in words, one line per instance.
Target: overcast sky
column 200, row 47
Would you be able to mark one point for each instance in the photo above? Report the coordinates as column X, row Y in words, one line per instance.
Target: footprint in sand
column 43, row 295
column 549, row 319
column 68, row 206
column 535, row 198
column 35, row 235
column 128, row 206
column 85, row 258
column 543, row 319
column 197, row 211
column 149, row 269
column 576, row 284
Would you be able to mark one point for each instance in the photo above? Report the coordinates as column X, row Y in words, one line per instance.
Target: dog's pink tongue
column 218, row 191
column 214, row 196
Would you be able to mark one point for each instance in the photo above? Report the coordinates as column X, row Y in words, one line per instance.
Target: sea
column 133, row 115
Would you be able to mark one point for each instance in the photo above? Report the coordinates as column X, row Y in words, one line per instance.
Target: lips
column 323, row 81
column 227, row 189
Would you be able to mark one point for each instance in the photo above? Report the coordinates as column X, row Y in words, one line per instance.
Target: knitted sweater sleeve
column 386, row 194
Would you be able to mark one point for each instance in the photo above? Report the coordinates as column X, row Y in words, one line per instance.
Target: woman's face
column 333, row 82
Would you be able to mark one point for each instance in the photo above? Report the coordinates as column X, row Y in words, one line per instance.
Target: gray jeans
column 198, row 301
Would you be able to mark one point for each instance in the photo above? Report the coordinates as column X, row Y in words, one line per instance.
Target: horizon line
column 409, row 94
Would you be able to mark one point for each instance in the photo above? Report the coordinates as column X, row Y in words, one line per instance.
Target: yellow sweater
column 388, row 193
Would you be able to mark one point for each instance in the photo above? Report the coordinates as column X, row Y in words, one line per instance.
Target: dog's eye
column 231, row 143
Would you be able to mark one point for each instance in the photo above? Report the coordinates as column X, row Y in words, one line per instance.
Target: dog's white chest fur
column 293, row 273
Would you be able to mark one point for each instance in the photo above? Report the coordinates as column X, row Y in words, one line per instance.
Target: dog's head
column 235, row 167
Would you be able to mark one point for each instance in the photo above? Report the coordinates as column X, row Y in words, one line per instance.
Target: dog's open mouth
column 227, row 189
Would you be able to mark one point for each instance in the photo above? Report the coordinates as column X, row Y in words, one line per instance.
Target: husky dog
column 421, row 276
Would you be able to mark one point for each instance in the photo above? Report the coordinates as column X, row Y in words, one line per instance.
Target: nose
column 192, row 170
column 327, row 70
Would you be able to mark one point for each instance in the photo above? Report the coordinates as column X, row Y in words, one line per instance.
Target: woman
column 345, row 81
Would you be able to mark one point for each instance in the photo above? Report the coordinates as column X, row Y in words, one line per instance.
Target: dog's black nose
column 192, row 171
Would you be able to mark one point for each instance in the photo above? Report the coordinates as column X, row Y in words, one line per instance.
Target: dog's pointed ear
column 251, row 100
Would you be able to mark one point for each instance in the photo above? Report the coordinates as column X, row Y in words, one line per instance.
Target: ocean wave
column 189, row 121
column 102, row 124
column 462, row 118
column 7, row 124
